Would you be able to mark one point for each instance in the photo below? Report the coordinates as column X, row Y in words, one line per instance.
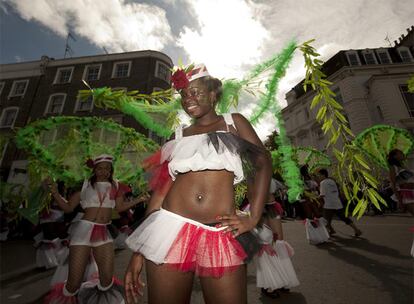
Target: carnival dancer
column 315, row 229
column 402, row 180
column 192, row 228
column 274, row 269
column 332, row 203
column 99, row 195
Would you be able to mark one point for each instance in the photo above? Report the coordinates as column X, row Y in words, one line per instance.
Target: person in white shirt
column 332, row 203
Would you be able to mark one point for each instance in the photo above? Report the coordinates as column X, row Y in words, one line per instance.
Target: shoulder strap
column 179, row 132
column 228, row 118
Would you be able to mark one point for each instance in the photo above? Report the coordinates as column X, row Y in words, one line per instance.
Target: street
column 375, row 268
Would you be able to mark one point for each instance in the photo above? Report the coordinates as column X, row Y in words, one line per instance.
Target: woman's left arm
column 122, row 205
column 259, row 187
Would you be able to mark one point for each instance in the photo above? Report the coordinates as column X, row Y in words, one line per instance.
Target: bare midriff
column 98, row 215
column 202, row 195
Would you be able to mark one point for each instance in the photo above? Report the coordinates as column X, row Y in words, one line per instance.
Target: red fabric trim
column 160, row 180
column 268, row 249
column 56, row 296
column 205, row 252
column 99, row 233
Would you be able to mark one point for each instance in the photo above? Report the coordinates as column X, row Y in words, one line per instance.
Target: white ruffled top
column 197, row 153
column 90, row 198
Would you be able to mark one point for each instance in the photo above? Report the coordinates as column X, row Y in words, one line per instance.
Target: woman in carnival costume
column 315, row 225
column 402, row 180
column 274, row 269
column 192, row 228
column 100, row 194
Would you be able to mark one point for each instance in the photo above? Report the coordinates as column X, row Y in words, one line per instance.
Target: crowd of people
column 190, row 226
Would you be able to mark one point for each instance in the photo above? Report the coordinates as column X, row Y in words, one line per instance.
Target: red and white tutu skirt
column 273, row 209
column 316, row 232
column 407, row 196
column 186, row 245
column 274, row 268
column 46, row 253
column 89, row 233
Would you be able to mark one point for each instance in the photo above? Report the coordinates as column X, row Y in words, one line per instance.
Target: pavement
column 374, row 268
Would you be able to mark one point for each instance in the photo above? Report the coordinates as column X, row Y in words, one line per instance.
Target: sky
column 229, row 36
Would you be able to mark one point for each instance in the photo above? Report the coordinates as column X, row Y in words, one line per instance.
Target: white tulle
column 316, row 235
column 154, row 237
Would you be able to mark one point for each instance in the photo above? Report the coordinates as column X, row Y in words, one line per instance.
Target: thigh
column 166, row 285
column 78, row 259
column 104, row 258
column 230, row 288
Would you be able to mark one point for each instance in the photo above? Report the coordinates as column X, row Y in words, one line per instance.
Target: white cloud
column 116, row 25
column 230, row 36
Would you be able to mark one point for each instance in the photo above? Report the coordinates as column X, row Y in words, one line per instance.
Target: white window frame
column 380, row 51
column 157, row 68
column 57, row 76
column 404, row 48
column 2, row 84
column 4, row 151
column 11, row 93
column 50, row 100
column 2, row 117
column 118, row 63
column 78, row 101
column 348, row 53
column 85, row 71
column 371, row 52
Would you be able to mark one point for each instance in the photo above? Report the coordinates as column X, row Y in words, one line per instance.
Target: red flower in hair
column 89, row 163
column 179, row 80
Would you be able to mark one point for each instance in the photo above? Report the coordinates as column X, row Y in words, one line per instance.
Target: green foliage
column 79, row 139
column 410, row 84
column 352, row 168
column 145, row 108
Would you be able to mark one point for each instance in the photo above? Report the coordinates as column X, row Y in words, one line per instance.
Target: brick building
column 34, row 90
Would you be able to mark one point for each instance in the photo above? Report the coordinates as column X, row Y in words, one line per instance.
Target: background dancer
column 402, row 180
column 332, row 203
column 193, row 228
column 99, row 195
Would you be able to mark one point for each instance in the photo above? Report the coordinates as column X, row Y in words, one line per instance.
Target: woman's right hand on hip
column 133, row 285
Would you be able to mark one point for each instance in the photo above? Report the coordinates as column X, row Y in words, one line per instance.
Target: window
column 84, row 105
column 383, row 56
column 121, row 69
column 55, row 104
column 408, row 98
column 18, row 88
column 63, row 75
column 369, row 57
column 162, row 71
column 380, row 114
column 405, row 54
column 92, row 72
column 338, row 96
column 1, row 87
column 4, row 149
column 8, row 117
column 353, row 58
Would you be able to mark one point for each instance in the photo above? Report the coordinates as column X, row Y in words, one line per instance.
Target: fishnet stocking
column 78, row 259
column 104, row 257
